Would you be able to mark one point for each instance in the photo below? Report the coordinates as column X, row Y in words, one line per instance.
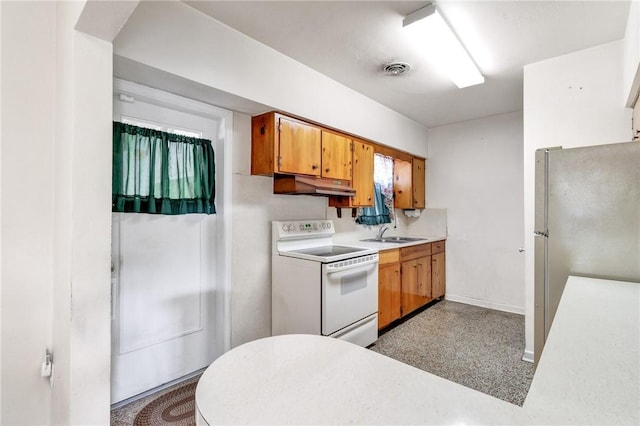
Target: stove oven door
column 349, row 292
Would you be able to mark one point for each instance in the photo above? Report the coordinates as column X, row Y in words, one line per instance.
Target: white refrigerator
column 587, row 221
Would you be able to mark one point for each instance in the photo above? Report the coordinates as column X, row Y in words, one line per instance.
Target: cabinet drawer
column 413, row 252
column 437, row 247
column 389, row 256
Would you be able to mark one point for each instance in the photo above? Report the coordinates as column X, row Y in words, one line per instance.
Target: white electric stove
column 321, row 288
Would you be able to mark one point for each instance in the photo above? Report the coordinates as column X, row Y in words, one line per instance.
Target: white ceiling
column 349, row 41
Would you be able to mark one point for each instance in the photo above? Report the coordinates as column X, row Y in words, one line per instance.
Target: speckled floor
column 475, row 347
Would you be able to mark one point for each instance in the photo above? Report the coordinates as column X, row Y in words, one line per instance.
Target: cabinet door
column 418, row 183
column 336, row 156
column 424, row 278
column 402, row 184
column 362, row 174
column 416, row 284
column 438, row 275
column 389, row 300
column 263, row 149
column 410, row 286
column 299, row 148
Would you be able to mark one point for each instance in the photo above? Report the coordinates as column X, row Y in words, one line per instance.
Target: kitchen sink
column 398, row 240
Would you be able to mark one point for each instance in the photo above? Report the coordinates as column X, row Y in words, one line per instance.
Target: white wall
column 82, row 221
column 28, row 122
column 69, row 238
column 217, row 56
column 475, row 171
column 572, row 100
column 430, row 223
column 62, row 226
column 1, row 137
column 254, row 207
column 91, row 230
column 199, row 48
column 631, row 64
column 56, row 154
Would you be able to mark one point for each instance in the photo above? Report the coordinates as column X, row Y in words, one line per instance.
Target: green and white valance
column 161, row 173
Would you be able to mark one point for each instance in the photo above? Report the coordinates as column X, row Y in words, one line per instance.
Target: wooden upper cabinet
column 409, row 183
column 361, row 177
column 299, row 148
column 336, row 156
column 281, row 144
column 362, row 174
column 402, row 172
column 418, row 177
column 263, row 145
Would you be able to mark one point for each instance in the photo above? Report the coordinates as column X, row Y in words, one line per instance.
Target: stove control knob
column 328, row 225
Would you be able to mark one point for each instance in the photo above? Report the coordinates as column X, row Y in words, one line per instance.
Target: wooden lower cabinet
column 415, row 276
column 409, row 278
column 437, row 275
column 416, row 283
column 389, row 296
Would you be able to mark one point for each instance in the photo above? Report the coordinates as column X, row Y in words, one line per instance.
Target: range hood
column 308, row 185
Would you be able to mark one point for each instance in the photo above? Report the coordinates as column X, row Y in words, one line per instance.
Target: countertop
column 588, row 374
column 390, row 246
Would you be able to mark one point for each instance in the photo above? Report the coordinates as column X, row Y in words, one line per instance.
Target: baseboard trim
column 485, row 304
column 527, row 356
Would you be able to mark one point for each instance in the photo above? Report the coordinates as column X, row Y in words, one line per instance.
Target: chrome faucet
column 381, row 231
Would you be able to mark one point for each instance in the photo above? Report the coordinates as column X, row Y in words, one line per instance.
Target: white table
column 588, row 374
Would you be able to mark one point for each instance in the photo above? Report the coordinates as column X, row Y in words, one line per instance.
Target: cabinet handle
column 313, row 167
column 326, row 170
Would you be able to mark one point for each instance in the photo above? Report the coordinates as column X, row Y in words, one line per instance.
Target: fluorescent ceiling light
column 432, row 33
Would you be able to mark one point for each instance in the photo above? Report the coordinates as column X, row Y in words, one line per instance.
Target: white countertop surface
column 588, row 374
column 390, row 246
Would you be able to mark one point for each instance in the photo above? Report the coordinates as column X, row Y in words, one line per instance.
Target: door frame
column 224, row 145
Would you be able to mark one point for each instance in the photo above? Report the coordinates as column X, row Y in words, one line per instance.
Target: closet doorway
column 169, row 313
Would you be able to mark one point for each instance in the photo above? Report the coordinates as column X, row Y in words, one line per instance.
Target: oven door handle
column 336, row 269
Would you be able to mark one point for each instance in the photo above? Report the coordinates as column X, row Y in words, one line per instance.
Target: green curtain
column 161, row 173
column 377, row 214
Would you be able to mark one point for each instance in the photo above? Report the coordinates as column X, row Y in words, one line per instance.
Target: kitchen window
column 382, row 211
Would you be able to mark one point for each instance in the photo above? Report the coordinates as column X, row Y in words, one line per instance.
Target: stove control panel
column 302, row 228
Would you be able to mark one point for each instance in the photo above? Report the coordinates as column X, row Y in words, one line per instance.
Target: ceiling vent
column 396, row 68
